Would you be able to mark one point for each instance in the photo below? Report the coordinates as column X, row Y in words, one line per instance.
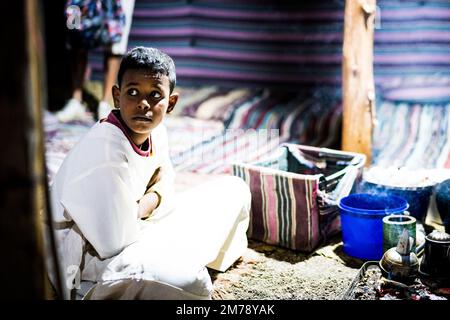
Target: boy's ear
column 172, row 101
column 116, row 96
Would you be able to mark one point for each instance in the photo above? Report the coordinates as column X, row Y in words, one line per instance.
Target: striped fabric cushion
column 295, row 192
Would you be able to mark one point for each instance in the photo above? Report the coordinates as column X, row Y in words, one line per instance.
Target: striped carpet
column 412, row 135
column 216, row 126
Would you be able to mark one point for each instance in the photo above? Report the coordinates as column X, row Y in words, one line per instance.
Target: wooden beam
column 22, row 174
column 358, row 79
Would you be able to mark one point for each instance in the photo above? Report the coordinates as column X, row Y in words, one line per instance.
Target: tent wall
column 412, row 50
column 294, row 44
column 289, row 44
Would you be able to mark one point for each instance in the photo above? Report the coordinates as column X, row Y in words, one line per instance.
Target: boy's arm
column 158, row 197
column 102, row 206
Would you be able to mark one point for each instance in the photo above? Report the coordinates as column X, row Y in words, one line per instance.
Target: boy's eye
column 133, row 92
column 155, row 94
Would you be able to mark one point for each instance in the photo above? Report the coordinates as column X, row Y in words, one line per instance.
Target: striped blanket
column 256, row 121
column 294, row 44
column 233, row 42
column 416, row 136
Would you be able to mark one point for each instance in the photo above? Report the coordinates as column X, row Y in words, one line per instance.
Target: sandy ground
column 269, row 272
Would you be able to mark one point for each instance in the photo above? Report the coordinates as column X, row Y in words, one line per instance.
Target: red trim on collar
column 115, row 119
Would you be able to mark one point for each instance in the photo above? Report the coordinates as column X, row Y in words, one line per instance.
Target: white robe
column 94, row 207
column 97, row 189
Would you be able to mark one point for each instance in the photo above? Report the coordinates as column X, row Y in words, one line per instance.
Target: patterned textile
column 220, row 104
column 295, row 193
column 95, row 23
column 186, row 132
column 297, row 45
column 412, row 50
column 243, row 42
column 216, row 153
column 258, row 120
column 416, row 136
column 293, row 44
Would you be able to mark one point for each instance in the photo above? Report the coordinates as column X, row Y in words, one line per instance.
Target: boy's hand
column 147, row 204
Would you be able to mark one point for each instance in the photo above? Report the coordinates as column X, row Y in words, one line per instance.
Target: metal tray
column 432, row 286
column 349, row 294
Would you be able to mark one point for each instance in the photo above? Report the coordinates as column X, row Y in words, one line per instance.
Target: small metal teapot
column 435, row 263
column 399, row 263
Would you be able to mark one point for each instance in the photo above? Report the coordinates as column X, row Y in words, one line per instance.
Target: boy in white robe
column 119, row 174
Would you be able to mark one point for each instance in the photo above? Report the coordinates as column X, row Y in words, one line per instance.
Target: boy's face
column 144, row 99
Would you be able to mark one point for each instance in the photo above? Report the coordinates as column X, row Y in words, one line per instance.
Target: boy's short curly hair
column 148, row 58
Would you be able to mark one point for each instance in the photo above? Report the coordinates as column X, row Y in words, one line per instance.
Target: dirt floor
column 269, row 272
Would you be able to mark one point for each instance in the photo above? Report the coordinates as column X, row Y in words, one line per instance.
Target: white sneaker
column 103, row 110
column 73, row 110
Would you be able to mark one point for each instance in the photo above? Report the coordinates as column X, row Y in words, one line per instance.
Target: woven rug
column 416, row 136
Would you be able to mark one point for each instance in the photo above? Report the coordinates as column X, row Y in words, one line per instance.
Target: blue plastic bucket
column 362, row 222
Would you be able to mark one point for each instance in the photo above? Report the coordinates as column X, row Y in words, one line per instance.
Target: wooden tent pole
column 358, row 79
column 22, row 174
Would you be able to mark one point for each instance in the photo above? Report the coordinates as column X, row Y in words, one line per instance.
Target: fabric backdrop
column 295, row 44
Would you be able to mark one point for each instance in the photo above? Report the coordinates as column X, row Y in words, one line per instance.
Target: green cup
column 393, row 226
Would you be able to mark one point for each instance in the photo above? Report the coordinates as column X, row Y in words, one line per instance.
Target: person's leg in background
column 112, row 61
column 111, row 68
column 74, row 108
column 79, row 65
